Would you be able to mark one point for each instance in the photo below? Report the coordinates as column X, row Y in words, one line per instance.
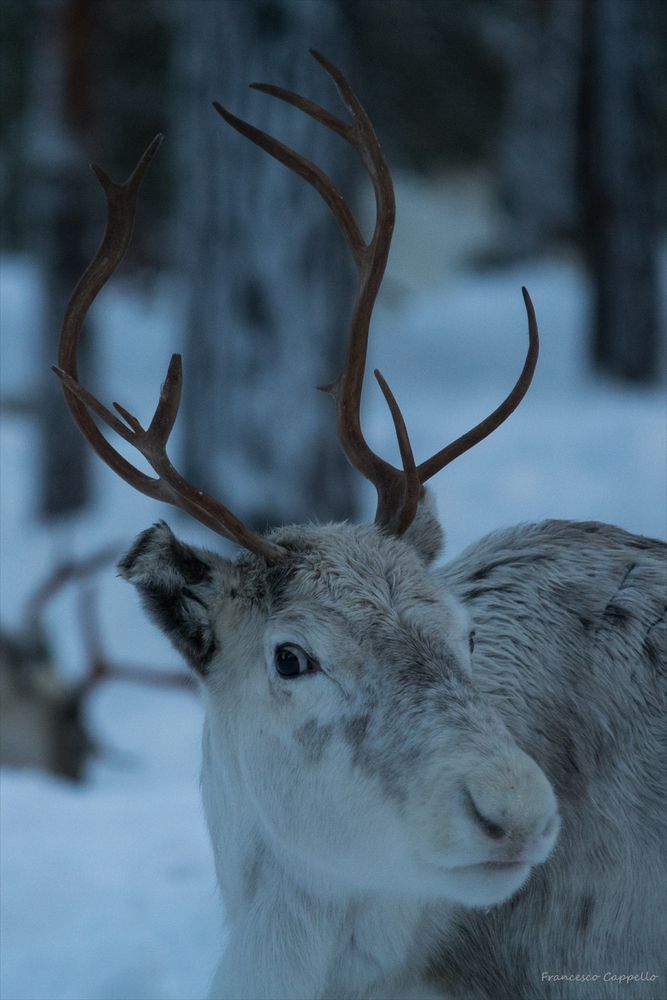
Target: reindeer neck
column 293, row 931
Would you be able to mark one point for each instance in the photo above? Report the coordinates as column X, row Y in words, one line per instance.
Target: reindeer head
column 342, row 716
column 343, row 723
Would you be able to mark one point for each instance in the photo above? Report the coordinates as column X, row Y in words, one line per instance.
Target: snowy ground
column 108, row 889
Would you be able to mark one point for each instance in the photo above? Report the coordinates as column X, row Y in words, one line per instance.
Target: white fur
column 356, row 813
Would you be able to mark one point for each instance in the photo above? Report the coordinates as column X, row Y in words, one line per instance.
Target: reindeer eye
column 292, row 661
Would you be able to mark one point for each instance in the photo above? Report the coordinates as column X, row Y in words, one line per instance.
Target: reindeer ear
column 180, row 587
column 425, row 533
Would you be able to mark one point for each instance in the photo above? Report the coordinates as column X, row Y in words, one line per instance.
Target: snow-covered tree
column 270, row 289
column 620, row 86
column 540, row 47
column 58, row 118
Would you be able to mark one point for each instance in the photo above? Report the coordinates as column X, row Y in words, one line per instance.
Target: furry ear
column 179, row 587
column 425, row 534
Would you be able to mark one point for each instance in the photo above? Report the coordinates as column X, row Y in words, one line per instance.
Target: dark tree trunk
column 540, row 50
column 270, row 289
column 58, row 119
column 618, row 174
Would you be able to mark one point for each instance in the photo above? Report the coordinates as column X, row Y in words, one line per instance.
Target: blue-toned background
column 525, row 142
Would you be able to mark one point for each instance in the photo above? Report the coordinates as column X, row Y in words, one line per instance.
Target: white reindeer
column 379, row 822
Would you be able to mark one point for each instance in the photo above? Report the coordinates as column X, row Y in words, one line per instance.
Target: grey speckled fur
column 571, row 649
column 325, row 795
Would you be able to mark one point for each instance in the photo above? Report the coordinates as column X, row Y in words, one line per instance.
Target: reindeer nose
column 517, row 806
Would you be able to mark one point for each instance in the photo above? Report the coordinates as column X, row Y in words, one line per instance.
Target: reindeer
column 43, row 713
column 42, row 717
column 390, row 749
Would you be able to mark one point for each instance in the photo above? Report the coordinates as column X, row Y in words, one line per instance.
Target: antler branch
column 499, row 415
column 398, row 490
column 370, row 259
column 170, row 486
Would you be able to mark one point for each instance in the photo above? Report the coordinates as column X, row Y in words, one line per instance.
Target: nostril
column 491, row 829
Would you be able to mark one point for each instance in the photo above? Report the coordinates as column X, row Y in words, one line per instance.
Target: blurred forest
column 562, row 102
column 528, row 143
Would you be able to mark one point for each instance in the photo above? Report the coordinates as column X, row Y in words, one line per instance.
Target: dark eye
column 292, row 661
column 471, row 640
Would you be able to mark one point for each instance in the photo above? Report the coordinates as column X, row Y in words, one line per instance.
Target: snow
column 108, row 888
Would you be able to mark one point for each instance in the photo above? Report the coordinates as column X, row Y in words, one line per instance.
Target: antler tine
column 393, row 488
column 170, row 487
column 304, row 168
column 121, row 207
column 370, row 258
column 311, row 108
column 485, row 427
column 398, row 520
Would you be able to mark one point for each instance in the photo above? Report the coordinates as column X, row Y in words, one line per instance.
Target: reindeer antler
column 398, row 490
column 170, row 486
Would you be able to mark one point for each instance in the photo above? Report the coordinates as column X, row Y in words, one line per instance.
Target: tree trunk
column 58, row 119
column 619, row 178
column 539, row 47
column 270, row 289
